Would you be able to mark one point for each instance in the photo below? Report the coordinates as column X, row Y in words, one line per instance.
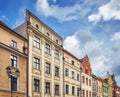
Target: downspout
column 63, row 75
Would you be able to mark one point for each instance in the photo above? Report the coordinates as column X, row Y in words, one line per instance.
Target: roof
column 2, row 23
column 21, row 30
column 71, row 54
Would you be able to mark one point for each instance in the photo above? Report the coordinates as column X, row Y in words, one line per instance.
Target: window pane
column 13, row 84
column 56, row 89
column 47, row 68
column 13, row 44
column 56, row 71
column 47, row 87
column 73, row 90
column 47, row 48
column 36, row 85
column 67, row 89
column 36, row 63
column 57, row 54
column 13, row 61
column 73, row 75
column 66, row 72
column 36, row 42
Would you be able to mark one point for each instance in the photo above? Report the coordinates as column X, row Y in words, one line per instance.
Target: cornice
column 13, row 50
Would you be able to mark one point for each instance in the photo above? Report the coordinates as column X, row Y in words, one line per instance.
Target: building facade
column 45, row 58
column 94, row 86
column 118, row 91
column 105, row 87
column 72, row 75
column 99, row 87
column 13, row 63
column 33, row 63
column 86, row 77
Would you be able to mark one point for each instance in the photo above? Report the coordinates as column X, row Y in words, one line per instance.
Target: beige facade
column 99, row 87
column 13, row 63
column 86, row 85
column 94, row 86
column 72, row 75
column 45, row 59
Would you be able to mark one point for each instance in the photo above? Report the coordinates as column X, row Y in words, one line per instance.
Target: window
column 47, row 68
column 37, row 26
column 56, row 71
column 57, row 54
column 67, row 89
column 13, row 61
column 83, row 91
column 72, row 62
column 73, row 90
column 73, row 75
column 13, row 83
column 89, row 82
column 36, row 42
column 78, row 91
column 47, row 34
column 47, row 48
column 83, row 79
column 86, row 93
column 47, row 87
column 56, row 89
column 36, row 85
column 36, row 63
column 86, row 71
column 86, row 81
column 66, row 72
column 13, row 44
column 89, row 94
column 56, row 41
column 78, row 77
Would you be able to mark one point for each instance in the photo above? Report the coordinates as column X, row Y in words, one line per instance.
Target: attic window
column 47, row 34
column 37, row 26
column 72, row 62
column 56, row 41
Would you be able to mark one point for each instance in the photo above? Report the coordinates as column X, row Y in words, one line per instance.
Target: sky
column 88, row 27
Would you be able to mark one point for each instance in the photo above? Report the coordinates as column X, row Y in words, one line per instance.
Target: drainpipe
column 63, row 74
column 80, row 81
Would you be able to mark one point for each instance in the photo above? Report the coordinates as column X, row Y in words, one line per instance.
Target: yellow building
column 72, row 75
column 45, row 58
column 13, row 63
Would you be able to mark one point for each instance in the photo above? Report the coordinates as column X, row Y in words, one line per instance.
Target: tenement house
column 13, row 63
column 45, row 58
column 86, row 77
column 72, row 75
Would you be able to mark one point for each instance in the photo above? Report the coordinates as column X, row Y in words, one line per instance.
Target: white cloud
column 81, row 44
column 106, row 12
column 21, row 17
column 116, row 36
column 100, row 63
column 66, row 13
column 73, row 44
column 3, row 17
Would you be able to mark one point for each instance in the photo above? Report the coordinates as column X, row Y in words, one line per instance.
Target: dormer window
column 37, row 26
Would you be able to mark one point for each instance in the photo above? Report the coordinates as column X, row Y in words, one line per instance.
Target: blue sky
column 89, row 27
